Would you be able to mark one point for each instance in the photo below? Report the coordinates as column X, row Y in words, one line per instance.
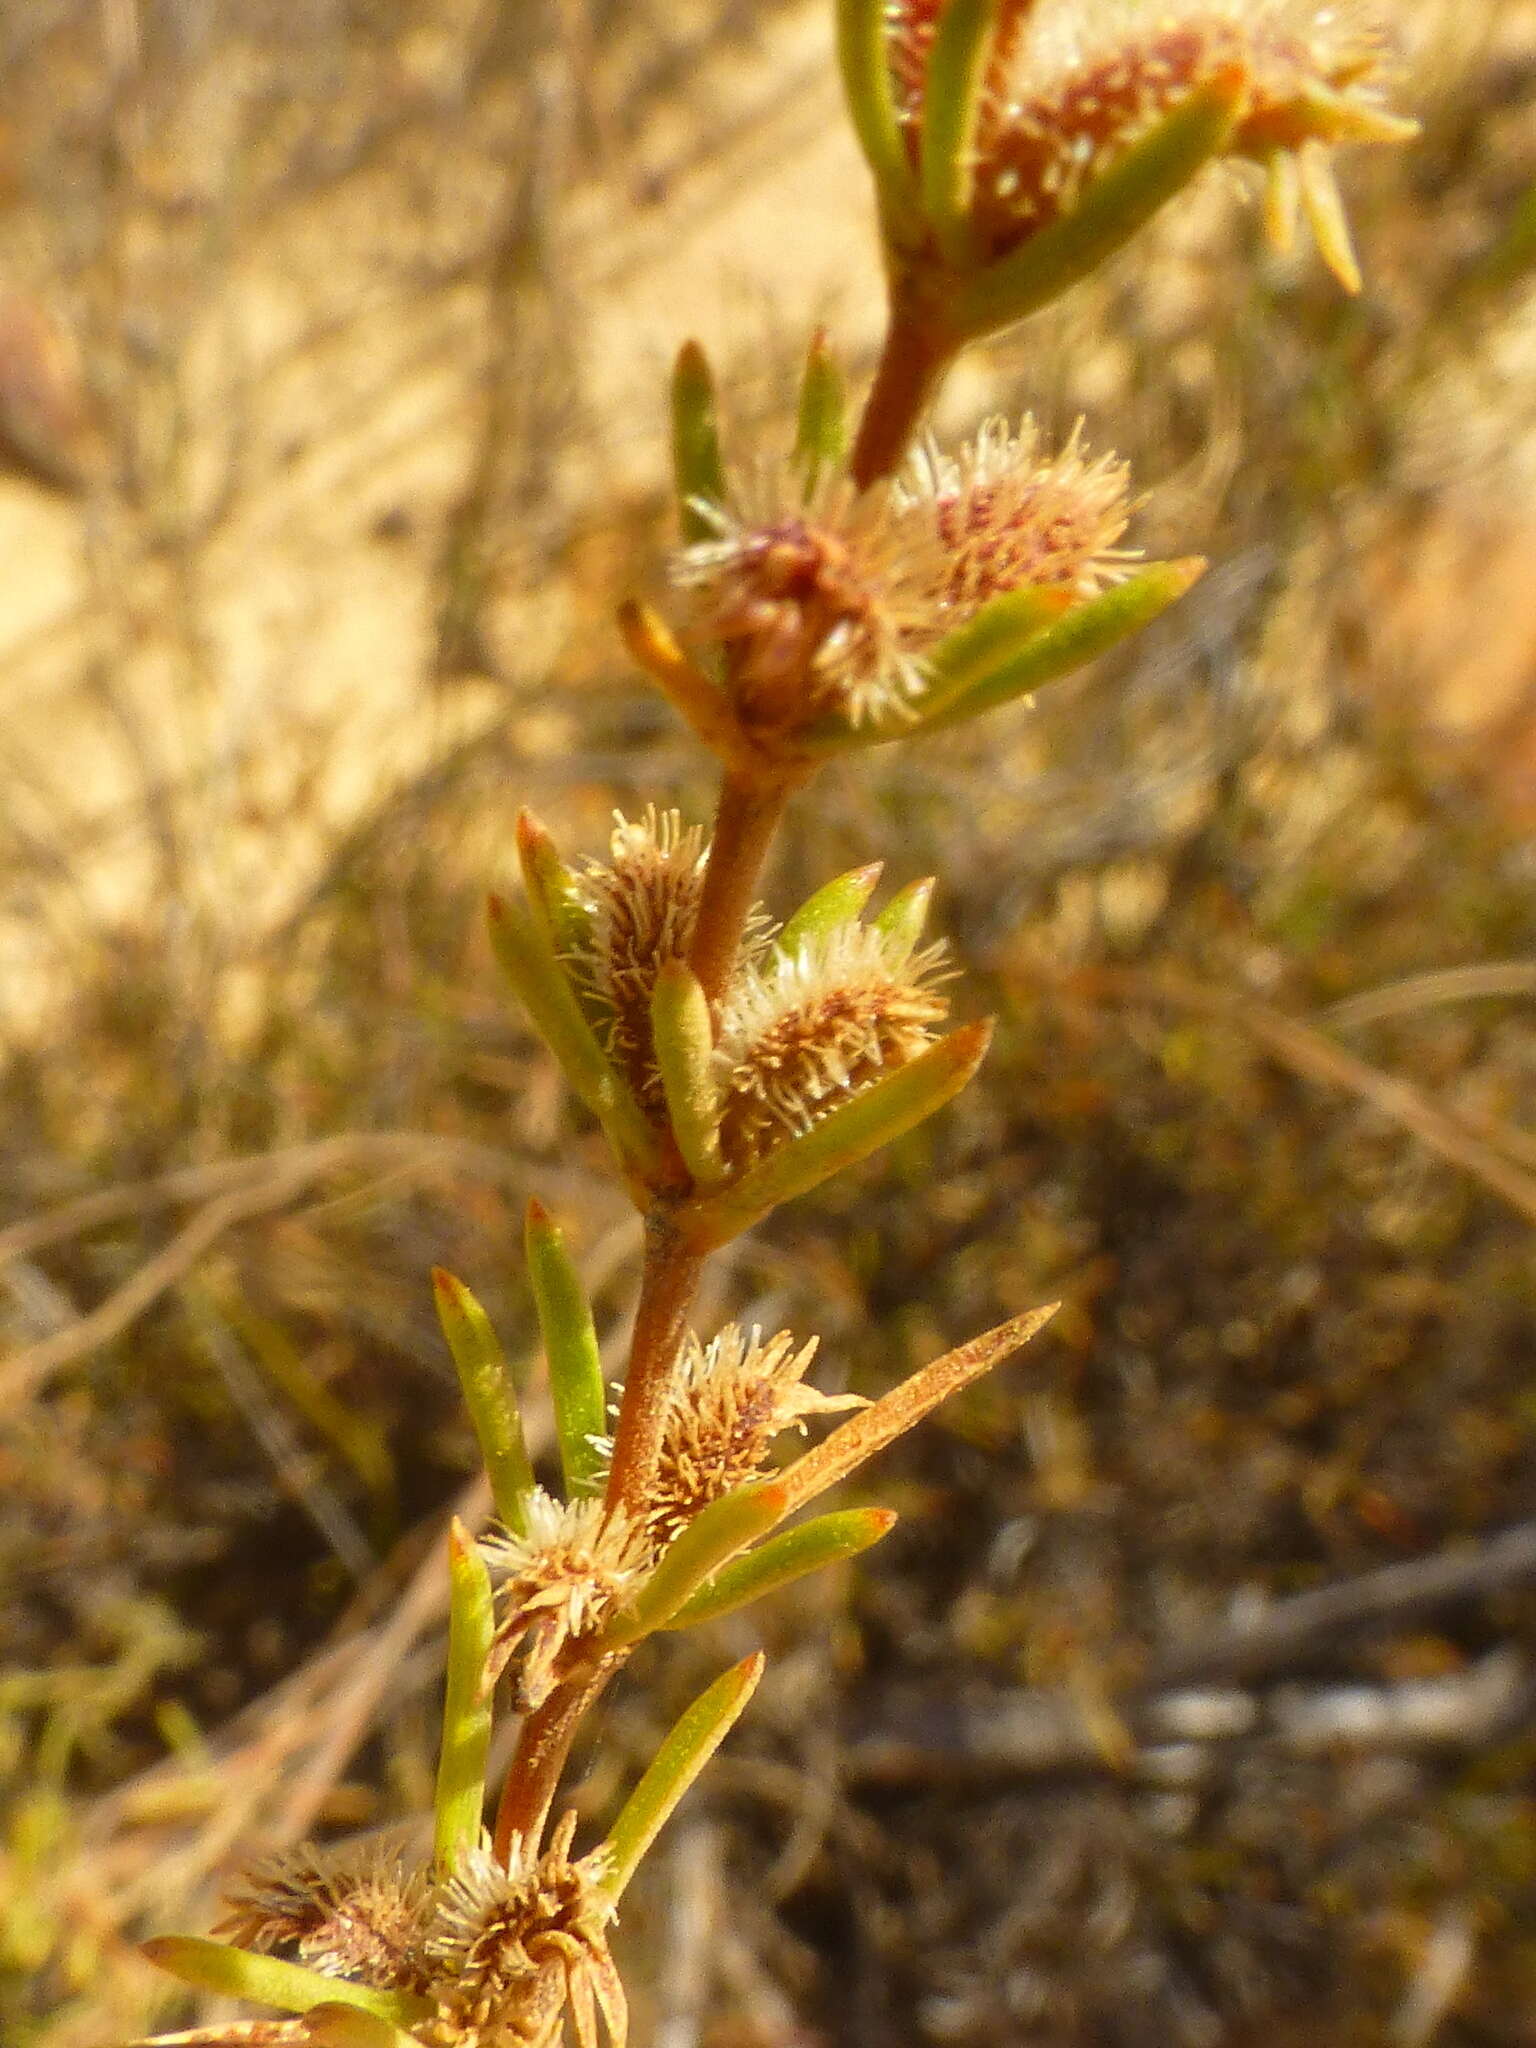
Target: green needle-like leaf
column 267, row 1980
column 467, row 1702
column 683, row 1039
column 836, row 903
column 528, row 959
column 821, row 435
column 1110, row 212
column 552, row 888
column 951, row 102
column 489, row 1395
column 998, row 634
column 570, row 1344
column 714, row 1536
column 677, row 1763
column 1085, row 632
column 697, row 467
column 783, row 1559
column 902, row 920
column 347, row 2026
column 864, row 58
column 876, row 1116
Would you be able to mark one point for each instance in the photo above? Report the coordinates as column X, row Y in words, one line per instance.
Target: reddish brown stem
column 746, row 818
column 667, row 1286
column 915, row 356
column 543, row 1744
column 751, row 804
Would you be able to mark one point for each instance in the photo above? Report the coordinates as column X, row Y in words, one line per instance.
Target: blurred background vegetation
column 1192, row 1703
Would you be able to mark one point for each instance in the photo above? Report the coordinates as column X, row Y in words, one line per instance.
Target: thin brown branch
column 668, row 1284
column 1484, row 980
column 912, row 362
column 250, row 1188
column 1308, row 1052
column 543, row 1745
column 1279, row 1634
column 746, row 818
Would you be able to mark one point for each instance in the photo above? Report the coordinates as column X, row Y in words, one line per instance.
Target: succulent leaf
column 957, row 71
column 467, row 1704
column 693, row 1741
column 697, row 467
column 268, row 1980
column 489, row 1395
column 783, row 1559
column 1081, row 635
column 877, row 1116
column 528, row 959
column 576, row 1382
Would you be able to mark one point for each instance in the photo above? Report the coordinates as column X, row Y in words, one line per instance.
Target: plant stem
column 667, row 1285
column 543, row 1744
column 915, row 356
column 751, row 805
column 746, row 818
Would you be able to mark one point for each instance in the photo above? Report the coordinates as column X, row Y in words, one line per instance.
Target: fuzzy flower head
column 807, row 1032
column 644, row 902
column 807, row 601
column 515, row 1949
column 825, row 607
column 1004, row 515
column 559, row 1584
column 728, row 1402
column 359, row 1914
column 1071, row 87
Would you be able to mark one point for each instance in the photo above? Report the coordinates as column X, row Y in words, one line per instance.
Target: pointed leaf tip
column 716, row 1534
column 576, row 1381
column 268, row 1980
column 868, row 1432
column 783, row 1560
column 692, row 1742
column 835, row 903
column 1078, row 636
column 902, row 920
column 821, row 438
column 485, row 1378
column 879, row 1114
column 697, row 465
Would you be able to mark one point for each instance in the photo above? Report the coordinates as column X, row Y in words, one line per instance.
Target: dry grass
column 371, row 308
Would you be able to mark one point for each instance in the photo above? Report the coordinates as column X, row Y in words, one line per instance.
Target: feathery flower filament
column 559, row 1584
column 728, row 1402
column 805, row 599
column 645, row 903
column 516, row 1948
column 350, row 1915
column 828, row 609
column 807, row 1032
column 1002, row 515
